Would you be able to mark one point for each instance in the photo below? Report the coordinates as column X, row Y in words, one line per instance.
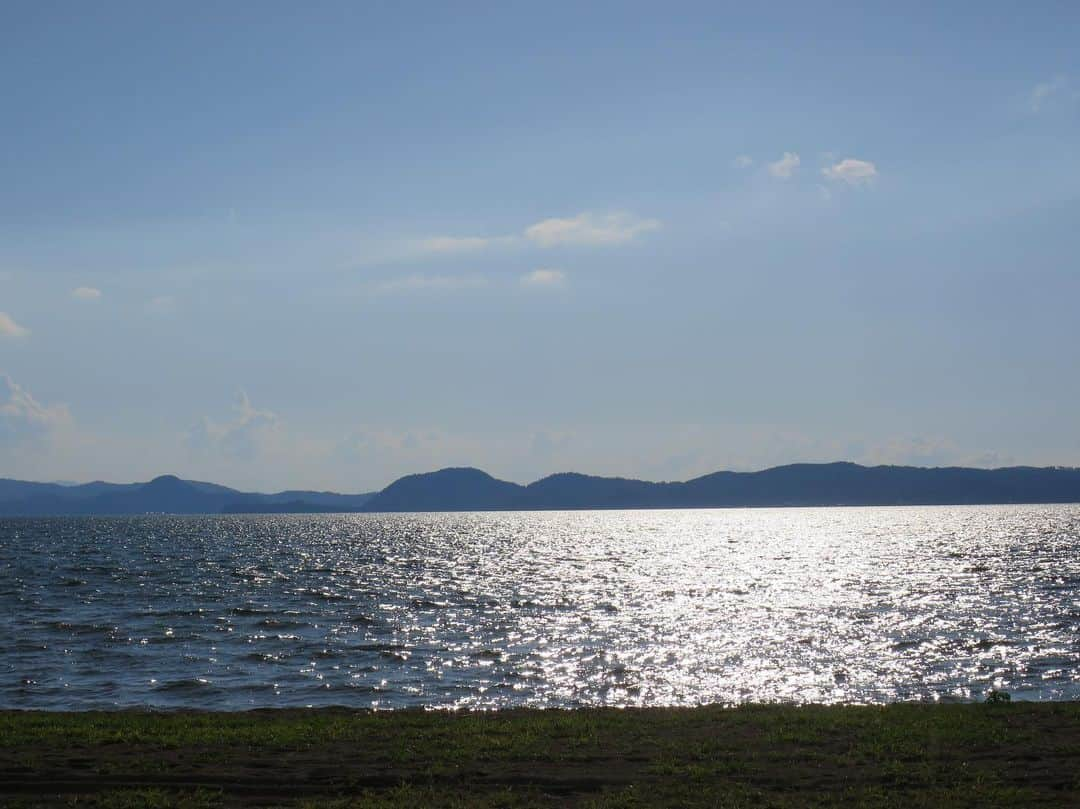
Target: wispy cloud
column 243, row 437
column 454, row 244
column 430, row 283
column 9, row 328
column 589, row 229
column 786, row 166
column 851, row 171
column 743, row 162
column 544, row 279
column 585, row 229
column 24, row 420
column 1044, row 92
column 86, row 293
column 913, row 450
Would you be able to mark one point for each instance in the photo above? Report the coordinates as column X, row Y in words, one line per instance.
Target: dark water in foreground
column 546, row 609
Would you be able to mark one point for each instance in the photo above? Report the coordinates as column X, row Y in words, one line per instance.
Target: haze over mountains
column 466, row 489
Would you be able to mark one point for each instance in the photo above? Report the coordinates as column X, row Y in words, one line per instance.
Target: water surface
column 544, row 609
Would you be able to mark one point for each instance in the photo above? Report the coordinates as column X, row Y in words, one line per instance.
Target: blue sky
column 322, row 245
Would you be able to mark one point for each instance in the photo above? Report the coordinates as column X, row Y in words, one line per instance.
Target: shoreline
column 903, row 754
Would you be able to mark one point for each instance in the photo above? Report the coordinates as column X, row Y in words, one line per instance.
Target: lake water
column 543, row 609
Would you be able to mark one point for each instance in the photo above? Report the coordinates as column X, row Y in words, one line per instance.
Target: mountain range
column 166, row 494
column 467, row 489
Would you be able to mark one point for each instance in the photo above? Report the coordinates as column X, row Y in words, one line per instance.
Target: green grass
column 904, row 755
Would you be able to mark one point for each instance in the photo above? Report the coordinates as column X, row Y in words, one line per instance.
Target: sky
column 322, row 245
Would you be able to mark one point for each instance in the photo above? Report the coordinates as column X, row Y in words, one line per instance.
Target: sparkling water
column 545, row 609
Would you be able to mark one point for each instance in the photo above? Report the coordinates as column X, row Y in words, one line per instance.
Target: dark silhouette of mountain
column 850, row 484
column 21, row 489
column 282, row 507
column 332, row 500
column 463, row 489
column 294, row 501
column 466, row 489
column 573, row 490
column 831, row 484
column 166, row 494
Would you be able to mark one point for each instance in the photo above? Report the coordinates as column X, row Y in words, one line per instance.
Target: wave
column 185, row 684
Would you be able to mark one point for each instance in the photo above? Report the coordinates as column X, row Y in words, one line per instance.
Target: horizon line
column 72, row 484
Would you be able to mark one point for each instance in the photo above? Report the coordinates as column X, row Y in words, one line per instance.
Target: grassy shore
column 897, row 755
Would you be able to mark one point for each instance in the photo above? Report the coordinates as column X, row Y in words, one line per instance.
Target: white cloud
column 589, row 229
column 851, row 171
column 543, row 279
column 785, row 167
column 86, row 293
column 743, row 162
column 454, row 244
column 9, row 328
column 243, row 437
column 1043, row 92
column 431, row 283
column 616, row 227
column 23, row 420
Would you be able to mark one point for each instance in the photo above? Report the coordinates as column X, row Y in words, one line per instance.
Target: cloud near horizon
column 86, row 293
column 9, row 328
column 241, row 438
column 24, row 420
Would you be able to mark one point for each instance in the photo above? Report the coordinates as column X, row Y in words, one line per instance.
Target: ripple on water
column 545, row 609
column 185, row 684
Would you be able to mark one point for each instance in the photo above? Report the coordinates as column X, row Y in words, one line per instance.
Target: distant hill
column 831, row 484
column 467, row 489
column 167, row 494
column 446, row 490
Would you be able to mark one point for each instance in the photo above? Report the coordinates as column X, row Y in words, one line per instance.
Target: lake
column 551, row 609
